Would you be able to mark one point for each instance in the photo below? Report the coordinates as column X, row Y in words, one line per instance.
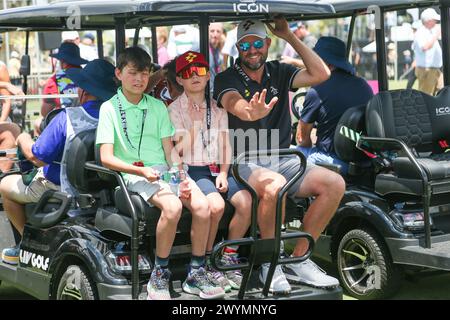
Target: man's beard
column 254, row 66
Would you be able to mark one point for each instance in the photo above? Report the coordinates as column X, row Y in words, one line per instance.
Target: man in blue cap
column 326, row 102
column 59, row 83
column 95, row 85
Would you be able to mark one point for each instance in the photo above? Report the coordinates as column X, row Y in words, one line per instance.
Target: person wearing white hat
column 70, row 36
column 428, row 52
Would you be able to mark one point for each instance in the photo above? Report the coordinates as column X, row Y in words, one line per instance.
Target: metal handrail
column 134, row 226
column 392, row 143
column 248, row 266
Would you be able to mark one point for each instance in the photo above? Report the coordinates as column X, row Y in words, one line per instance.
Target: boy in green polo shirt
column 135, row 137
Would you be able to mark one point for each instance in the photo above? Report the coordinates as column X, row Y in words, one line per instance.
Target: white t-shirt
column 229, row 46
column 187, row 39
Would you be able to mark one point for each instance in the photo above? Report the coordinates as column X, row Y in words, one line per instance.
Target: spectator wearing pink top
column 204, row 146
column 163, row 55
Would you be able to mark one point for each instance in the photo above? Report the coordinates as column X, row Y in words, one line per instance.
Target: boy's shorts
column 31, row 193
column 147, row 189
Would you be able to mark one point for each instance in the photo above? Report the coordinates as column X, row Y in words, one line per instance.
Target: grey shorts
column 148, row 189
column 287, row 166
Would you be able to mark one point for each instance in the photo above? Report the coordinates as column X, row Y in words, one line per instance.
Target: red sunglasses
column 189, row 72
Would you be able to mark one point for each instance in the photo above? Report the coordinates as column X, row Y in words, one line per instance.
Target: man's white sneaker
column 279, row 283
column 307, row 272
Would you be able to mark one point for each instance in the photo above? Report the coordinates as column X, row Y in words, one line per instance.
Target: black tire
column 75, row 284
column 365, row 266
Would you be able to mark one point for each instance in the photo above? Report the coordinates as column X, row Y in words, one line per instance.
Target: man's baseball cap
column 251, row 27
column 189, row 58
column 430, row 14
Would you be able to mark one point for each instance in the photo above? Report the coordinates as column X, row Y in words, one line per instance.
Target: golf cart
column 394, row 218
column 99, row 242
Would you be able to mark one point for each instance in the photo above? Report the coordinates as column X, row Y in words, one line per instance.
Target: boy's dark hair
column 135, row 56
column 171, row 74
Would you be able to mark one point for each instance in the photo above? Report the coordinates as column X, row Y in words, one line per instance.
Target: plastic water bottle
column 174, row 179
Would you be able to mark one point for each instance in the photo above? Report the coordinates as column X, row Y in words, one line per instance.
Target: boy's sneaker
column 309, row 273
column 217, row 278
column 197, row 283
column 234, row 277
column 279, row 283
column 11, row 255
column 158, row 285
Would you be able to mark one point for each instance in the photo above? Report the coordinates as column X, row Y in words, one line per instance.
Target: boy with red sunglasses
column 202, row 140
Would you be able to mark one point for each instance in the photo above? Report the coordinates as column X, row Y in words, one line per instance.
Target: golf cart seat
column 53, row 206
column 409, row 128
column 344, row 140
column 114, row 215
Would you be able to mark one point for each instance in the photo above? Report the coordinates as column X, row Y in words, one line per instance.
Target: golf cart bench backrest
column 113, row 216
column 422, row 122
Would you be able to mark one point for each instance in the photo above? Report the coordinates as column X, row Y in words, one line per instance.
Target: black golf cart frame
column 123, row 14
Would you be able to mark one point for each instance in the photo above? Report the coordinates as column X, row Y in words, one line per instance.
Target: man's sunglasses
column 245, row 46
column 189, row 72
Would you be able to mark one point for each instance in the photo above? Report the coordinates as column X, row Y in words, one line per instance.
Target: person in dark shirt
column 326, row 102
column 255, row 94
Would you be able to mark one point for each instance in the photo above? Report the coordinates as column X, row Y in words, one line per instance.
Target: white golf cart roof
column 95, row 14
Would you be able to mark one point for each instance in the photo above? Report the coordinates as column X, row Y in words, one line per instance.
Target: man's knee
column 266, row 183
column 331, row 183
column 273, row 187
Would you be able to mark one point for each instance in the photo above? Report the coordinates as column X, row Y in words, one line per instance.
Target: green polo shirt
column 154, row 128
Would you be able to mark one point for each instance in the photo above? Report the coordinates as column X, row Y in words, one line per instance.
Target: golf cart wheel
column 75, row 284
column 365, row 266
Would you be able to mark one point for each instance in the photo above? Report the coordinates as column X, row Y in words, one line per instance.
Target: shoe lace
column 230, row 259
column 201, row 277
column 215, row 274
column 314, row 266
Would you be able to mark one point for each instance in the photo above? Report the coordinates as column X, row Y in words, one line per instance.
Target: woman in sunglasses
column 202, row 141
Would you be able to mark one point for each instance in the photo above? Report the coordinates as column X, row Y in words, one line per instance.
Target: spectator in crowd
column 411, row 74
column 301, row 31
column 167, row 89
column 69, row 57
column 88, row 49
column 5, row 103
column 70, row 37
column 182, row 38
column 163, row 55
column 229, row 48
column 428, row 52
column 215, row 51
column 14, row 67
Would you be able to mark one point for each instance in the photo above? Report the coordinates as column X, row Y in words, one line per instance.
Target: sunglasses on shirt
column 189, row 72
column 245, row 46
